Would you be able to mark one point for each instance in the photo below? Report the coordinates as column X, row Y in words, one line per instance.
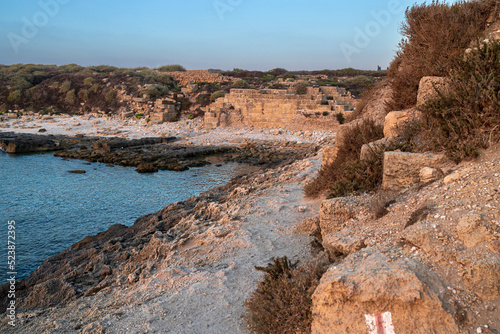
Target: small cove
column 53, row 209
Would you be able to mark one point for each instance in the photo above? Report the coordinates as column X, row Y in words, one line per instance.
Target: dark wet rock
column 42, row 130
column 77, row 171
column 146, row 168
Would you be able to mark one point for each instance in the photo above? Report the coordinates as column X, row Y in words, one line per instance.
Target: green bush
column 467, row 118
column 435, row 35
column 70, row 97
column 217, row 95
column 240, row 84
column 171, row 68
column 156, row 91
column 65, row 87
column 88, row 81
column 83, row 94
column 15, row 96
column 95, row 88
column 139, row 115
column 190, row 116
column 282, row 302
column 110, row 96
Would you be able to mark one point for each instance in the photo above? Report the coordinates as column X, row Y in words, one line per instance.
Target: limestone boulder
column 374, row 295
column 429, row 88
column 402, row 169
column 429, row 175
column 396, row 120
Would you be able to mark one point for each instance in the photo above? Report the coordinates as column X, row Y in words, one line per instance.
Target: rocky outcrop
column 364, row 296
column 336, row 212
column 429, row 88
column 402, row 169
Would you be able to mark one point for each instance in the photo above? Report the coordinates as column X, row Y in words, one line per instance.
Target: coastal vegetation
column 460, row 121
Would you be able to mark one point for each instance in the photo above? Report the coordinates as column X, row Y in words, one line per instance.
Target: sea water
column 52, row 209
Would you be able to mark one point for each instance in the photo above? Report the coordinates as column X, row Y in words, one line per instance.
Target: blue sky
column 202, row 34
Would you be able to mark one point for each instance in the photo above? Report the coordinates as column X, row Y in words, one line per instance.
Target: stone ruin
column 277, row 107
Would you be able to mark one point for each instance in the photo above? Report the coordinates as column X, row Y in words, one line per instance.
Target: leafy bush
column 171, row 68
column 139, row 115
column 65, row 87
column 95, row 88
column 156, row 91
column 190, row 116
column 15, row 96
column 217, row 95
column 348, row 174
column 83, row 94
column 240, row 84
column 435, row 35
column 110, row 96
column 467, row 118
column 70, row 97
column 282, row 302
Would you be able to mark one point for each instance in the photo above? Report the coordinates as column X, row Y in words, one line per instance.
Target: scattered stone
column 146, row 168
column 429, row 175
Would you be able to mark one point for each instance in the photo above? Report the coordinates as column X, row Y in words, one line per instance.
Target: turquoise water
column 53, row 209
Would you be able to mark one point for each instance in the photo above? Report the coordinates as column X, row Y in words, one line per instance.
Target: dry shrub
column 282, row 302
column 467, row 118
column 348, row 174
column 435, row 35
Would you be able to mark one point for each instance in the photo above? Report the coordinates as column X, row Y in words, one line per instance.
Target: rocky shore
column 185, row 269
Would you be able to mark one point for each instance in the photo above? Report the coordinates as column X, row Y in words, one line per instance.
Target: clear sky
column 202, row 34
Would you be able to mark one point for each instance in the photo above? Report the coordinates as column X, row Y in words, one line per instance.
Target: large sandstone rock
column 427, row 88
column 372, row 294
column 336, row 212
column 396, row 120
column 402, row 169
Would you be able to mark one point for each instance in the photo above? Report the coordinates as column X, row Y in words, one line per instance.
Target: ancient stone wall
column 271, row 108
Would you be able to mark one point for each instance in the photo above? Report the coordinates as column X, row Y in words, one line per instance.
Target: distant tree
column 277, row 72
